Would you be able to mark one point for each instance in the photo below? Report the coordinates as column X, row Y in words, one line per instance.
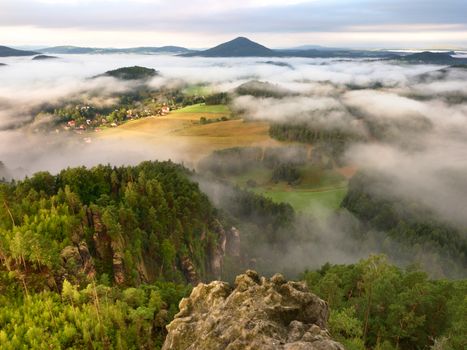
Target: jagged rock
column 259, row 313
column 189, row 271
column 117, row 265
column 77, row 260
column 101, row 239
column 87, row 263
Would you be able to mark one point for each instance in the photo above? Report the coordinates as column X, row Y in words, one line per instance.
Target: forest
column 376, row 305
column 128, row 224
column 101, row 257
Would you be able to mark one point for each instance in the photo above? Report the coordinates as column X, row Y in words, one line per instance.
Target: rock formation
column 259, row 313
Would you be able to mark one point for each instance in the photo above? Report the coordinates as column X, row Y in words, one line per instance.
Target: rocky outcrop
column 77, row 261
column 189, row 271
column 217, row 251
column 258, row 313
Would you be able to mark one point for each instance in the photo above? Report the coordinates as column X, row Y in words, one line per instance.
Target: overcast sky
column 203, row 23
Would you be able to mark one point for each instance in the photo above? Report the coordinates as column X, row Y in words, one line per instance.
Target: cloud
column 357, row 21
column 422, row 152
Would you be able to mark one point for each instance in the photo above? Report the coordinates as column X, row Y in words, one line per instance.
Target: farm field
column 317, row 202
column 319, row 190
column 181, row 133
column 202, row 108
column 181, row 136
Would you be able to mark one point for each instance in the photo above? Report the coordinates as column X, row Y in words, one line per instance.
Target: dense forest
column 128, row 225
column 237, row 160
column 99, row 258
column 97, row 316
column 329, row 142
column 132, row 73
column 262, row 89
column 376, row 305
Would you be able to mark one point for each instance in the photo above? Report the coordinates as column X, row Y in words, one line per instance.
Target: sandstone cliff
column 258, row 313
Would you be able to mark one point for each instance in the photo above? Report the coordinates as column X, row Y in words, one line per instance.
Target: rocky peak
column 257, row 313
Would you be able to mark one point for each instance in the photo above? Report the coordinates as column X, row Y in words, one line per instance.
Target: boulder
column 257, row 313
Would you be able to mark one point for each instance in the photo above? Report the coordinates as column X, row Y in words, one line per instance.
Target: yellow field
column 181, row 133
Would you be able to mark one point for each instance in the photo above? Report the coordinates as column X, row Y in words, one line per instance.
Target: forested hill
column 8, row 51
column 127, row 225
column 131, row 73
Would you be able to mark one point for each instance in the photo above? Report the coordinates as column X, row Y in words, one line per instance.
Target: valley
column 326, row 187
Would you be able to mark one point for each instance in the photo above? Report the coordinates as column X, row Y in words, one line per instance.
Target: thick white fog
column 425, row 153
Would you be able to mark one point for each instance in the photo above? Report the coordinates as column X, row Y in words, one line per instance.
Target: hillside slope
column 129, row 224
column 9, row 52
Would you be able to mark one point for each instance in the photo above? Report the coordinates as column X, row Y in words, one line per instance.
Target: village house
column 165, row 110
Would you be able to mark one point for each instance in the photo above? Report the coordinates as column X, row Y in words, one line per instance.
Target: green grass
column 202, row 108
column 197, row 90
column 320, row 191
column 308, row 202
column 314, row 177
column 261, row 175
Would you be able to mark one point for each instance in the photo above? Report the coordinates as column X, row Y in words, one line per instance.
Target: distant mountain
column 69, row 50
column 433, row 58
column 239, row 47
column 243, row 47
column 2, row 64
column 9, row 52
column 131, row 73
column 65, row 50
column 157, row 50
column 313, row 47
column 43, row 57
column 460, row 70
column 336, row 53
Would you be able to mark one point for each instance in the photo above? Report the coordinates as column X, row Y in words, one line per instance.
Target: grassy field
column 320, row 190
column 198, row 90
column 202, row 108
column 181, row 137
column 316, row 202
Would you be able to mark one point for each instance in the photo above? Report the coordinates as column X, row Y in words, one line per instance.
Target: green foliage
column 332, row 142
column 389, row 308
column 221, row 98
column 135, row 221
column 204, row 108
column 95, row 317
column 262, row 89
column 286, row 172
column 132, row 73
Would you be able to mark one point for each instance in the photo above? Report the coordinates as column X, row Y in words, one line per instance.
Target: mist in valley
column 410, row 122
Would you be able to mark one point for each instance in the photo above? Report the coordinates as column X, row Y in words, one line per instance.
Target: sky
column 401, row 24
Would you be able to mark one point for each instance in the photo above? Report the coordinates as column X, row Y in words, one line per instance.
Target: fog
column 422, row 111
